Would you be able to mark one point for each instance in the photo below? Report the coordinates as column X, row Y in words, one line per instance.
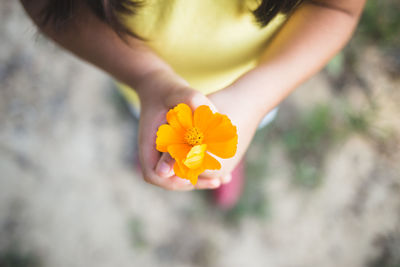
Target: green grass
column 336, row 65
column 136, row 233
column 380, row 23
column 306, row 142
column 359, row 121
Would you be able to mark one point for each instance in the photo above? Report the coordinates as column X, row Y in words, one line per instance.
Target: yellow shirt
column 210, row 43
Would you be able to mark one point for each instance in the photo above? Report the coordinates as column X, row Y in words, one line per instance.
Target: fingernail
column 163, row 168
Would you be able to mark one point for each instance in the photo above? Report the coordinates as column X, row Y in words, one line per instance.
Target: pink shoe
column 228, row 195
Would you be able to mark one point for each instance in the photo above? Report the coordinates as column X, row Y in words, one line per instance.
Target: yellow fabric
column 210, row 43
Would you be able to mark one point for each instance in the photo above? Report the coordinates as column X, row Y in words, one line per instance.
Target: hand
column 158, row 93
column 244, row 116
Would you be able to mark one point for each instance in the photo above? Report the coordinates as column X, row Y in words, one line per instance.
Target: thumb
column 164, row 167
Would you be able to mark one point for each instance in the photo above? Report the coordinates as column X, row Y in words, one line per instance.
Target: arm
column 314, row 33
column 135, row 64
column 95, row 42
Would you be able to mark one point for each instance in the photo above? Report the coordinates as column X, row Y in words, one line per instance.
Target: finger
column 173, row 183
column 207, row 183
column 210, row 174
column 226, row 179
column 165, row 166
column 215, row 175
column 176, row 183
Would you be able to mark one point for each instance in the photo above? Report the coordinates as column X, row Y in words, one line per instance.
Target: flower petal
column 225, row 149
column 194, row 158
column 221, row 132
column 173, row 120
column 184, row 113
column 214, row 121
column 193, row 175
column 202, row 117
column 210, row 163
column 179, row 151
column 179, row 170
column 184, row 172
column 167, row 136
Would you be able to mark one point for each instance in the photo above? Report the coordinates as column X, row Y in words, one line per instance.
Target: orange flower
column 187, row 137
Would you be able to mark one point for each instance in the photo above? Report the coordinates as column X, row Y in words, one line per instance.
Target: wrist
column 258, row 92
column 158, row 84
column 248, row 99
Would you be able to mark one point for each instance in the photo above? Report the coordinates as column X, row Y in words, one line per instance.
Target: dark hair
column 60, row 11
column 268, row 9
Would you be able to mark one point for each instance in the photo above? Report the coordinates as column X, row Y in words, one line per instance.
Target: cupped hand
column 245, row 117
column 156, row 100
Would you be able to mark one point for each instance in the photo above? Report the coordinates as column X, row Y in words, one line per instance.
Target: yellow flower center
column 193, row 136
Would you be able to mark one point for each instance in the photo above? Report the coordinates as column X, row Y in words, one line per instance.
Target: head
column 60, row 11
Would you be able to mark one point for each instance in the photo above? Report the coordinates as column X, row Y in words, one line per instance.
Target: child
column 201, row 52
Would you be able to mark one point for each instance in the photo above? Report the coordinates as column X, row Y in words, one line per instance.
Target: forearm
column 312, row 36
column 130, row 61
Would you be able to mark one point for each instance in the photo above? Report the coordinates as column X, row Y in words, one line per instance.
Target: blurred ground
column 323, row 186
